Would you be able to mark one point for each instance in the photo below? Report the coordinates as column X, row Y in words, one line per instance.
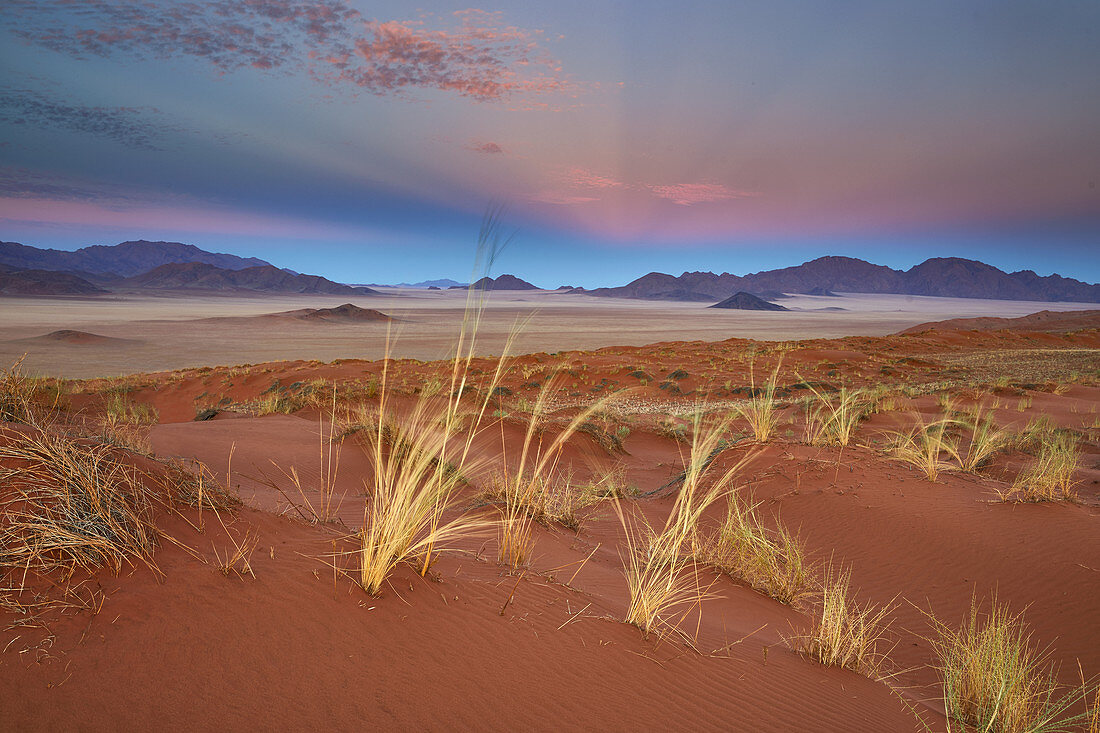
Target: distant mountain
column 748, row 302
column 941, row 276
column 267, row 279
column 43, row 282
column 504, row 282
column 126, row 259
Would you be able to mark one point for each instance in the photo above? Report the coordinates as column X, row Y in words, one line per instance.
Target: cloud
column 687, row 194
column 124, row 125
column 471, row 53
column 489, row 148
column 583, row 178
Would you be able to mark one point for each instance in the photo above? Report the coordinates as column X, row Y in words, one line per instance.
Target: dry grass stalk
column 845, row 633
column 1050, row 476
column 925, row 446
column 760, row 409
column 26, row 399
column 834, row 419
column 995, row 679
column 420, row 454
column 986, row 439
column 659, row 588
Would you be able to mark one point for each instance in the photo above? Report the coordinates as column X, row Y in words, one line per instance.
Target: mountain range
column 503, row 282
column 145, row 265
column 126, row 259
column 951, row 277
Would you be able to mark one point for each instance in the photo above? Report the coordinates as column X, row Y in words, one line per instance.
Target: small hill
column 43, row 282
column 1043, row 321
column 266, row 279
column 504, row 282
column 346, row 313
column 76, row 338
column 748, row 302
column 125, row 259
column 821, row 291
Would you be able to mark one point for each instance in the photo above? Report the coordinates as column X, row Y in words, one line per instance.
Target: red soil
column 296, row 647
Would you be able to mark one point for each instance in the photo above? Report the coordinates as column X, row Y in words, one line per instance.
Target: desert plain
column 642, row 516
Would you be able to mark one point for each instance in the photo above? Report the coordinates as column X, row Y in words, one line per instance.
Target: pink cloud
column 687, row 194
column 471, row 53
column 583, row 178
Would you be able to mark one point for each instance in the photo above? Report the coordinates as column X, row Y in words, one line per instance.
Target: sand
column 474, row 646
column 175, row 332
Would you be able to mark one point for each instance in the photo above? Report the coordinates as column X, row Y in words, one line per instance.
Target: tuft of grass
column 770, row 561
column 760, row 409
column 71, row 506
column 1050, row 475
column 925, row 446
column 661, row 566
column 995, row 679
column 834, row 419
column 26, row 399
column 986, row 439
column 845, row 633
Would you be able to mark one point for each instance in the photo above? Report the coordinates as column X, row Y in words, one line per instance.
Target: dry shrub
column 995, row 679
column 71, row 505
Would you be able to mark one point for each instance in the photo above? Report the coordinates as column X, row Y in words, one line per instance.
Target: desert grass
column 986, row 439
column 770, row 561
column 662, row 566
column 844, row 632
column 996, row 679
column 1050, row 476
column 926, row 446
column 535, row 491
column 664, row 584
column 70, row 505
column 760, row 409
column 331, row 433
column 125, row 423
column 26, row 399
column 421, row 452
column 832, row 420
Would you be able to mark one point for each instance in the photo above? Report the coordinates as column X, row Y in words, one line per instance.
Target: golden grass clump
column 986, row 439
column 833, row 420
column 925, row 446
column 845, row 633
column 71, row 505
column 770, row 561
column 420, row 453
column 760, row 409
column 1050, row 475
column 661, row 566
column 994, row 678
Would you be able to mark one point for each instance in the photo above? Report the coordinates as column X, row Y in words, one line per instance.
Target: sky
column 365, row 141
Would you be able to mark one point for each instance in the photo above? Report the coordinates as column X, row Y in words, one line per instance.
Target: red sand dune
column 473, row 646
column 1044, row 321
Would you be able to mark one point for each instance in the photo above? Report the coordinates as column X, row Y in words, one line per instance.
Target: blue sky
column 364, row 141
